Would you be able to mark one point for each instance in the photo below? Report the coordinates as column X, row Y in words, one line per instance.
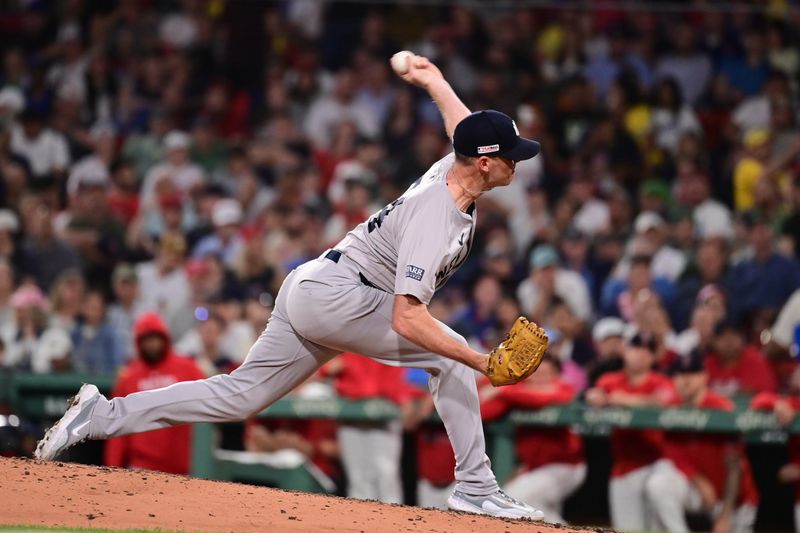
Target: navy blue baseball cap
column 493, row 134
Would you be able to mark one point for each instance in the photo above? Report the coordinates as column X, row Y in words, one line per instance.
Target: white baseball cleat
column 496, row 504
column 73, row 427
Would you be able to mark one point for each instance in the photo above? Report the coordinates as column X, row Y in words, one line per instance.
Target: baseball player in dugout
column 369, row 295
column 634, row 452
column 702, row 473
column 371, row 451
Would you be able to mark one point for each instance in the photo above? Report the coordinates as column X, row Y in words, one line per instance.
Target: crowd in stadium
column 164, row 165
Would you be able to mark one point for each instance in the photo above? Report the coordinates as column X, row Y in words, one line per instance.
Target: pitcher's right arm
column 424, row 74
column 411, row 319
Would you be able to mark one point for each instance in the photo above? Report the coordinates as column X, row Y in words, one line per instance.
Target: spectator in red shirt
column 552, row 464
column 785, row 409
column 734, row 368
column 168, row 449
column 634, row 451
column 371, row 450
column 701, row 472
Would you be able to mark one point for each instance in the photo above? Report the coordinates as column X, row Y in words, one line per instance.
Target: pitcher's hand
column 421, row 72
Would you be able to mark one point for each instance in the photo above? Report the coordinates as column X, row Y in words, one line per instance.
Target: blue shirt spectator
column 765, row 281
column 603, row 69
column 96, row 347
column 762, row 284
column 748, row 70
column 748, row 78
column 620, row 295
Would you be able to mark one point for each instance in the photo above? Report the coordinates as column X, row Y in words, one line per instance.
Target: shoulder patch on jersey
column 414, row 272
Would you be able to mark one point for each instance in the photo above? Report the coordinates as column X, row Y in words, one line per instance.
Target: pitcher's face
column 496, row 171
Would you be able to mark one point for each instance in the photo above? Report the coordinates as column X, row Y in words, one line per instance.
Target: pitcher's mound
column 73, row 495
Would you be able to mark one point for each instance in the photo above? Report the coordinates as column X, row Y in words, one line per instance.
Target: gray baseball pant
column 322, row 309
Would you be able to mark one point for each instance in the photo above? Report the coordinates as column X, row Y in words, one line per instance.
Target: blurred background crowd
column 164, row 164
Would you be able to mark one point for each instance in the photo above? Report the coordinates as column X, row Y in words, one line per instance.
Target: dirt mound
column 66, row 494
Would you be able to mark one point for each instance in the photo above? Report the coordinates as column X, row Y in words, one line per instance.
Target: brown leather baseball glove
column 519, row 355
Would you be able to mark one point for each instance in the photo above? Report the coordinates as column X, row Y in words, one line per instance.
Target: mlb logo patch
column 489, row 149
column 414, row 273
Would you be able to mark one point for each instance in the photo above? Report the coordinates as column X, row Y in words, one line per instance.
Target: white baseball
column 400, row 60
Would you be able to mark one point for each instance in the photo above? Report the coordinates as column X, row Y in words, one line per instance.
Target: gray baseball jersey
column 414, row 244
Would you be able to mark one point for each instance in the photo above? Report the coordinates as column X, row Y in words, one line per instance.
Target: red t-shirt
column 695, row 453
column 750, row 374
column 165, row 450
column 632, row 449
column 537, row 446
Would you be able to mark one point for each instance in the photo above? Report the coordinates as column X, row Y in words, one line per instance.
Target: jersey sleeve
column 423, row 244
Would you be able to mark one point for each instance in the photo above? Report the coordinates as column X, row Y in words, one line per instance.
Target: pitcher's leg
column 350, row 316
column 278, row 361
column 455, row 396
column 453, row 388
column 364, row 320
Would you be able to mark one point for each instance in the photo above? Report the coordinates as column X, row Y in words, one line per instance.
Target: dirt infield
column 65, row 494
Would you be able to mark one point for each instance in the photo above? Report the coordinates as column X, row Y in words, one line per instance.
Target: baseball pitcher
column 368, row 295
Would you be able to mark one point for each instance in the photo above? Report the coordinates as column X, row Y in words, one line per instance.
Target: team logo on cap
column 489, row 149
column 516, row 129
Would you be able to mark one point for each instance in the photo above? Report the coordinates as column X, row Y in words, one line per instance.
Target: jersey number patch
column 376, row 220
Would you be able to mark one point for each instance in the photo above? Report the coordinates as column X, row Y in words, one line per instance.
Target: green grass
column 42, row 529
